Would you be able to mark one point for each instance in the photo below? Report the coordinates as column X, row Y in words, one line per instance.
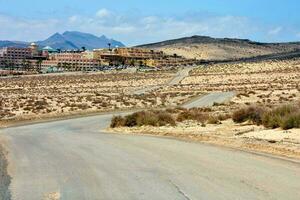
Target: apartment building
column 70, row 61
column 13, row 53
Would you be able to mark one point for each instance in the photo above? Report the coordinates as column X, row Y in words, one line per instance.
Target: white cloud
column 102, row 13
column 275, row 31
column 135, row 28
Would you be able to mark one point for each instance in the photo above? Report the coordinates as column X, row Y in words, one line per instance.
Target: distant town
column 33, row 59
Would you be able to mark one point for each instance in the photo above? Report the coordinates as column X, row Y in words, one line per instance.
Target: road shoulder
column 234, row 138
column 5, row 179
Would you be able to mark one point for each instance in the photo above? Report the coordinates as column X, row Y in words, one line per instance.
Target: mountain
column 208, row 48
column 69, row 40
column 57, row 41
column 6, row 43
column 77, row 40
column 90, row 41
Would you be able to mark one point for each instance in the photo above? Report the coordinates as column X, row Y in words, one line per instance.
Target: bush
column 144, row 118
column 292, row 121
column 117, row 121
column 253, row 114
column 284, row 116
column 213, row 120
column 192, row 114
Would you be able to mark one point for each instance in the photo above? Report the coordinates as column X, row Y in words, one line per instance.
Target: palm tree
column 64, row 65
column 109, row 46
column 59, row 65
column 39, row 65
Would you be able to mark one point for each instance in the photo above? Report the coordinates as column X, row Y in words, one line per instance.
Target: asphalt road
column 179, row 76
column 209, row 99
column 76, row 161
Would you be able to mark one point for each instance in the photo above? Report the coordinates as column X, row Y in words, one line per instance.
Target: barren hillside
column 207, row 48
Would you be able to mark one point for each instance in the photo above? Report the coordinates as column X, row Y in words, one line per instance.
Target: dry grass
column 38, row 96
column 144, row 118
column 285, row 116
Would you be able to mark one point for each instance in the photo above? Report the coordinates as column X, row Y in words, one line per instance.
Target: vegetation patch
column 165, row 117
column 285, row 116
column 252, row 113
column 144, row 118
column 195, row 114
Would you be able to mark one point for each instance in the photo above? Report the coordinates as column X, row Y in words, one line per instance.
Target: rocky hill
column 207, row 48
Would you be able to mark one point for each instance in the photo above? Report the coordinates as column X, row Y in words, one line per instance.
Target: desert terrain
column 208, row 48
column 50, row 96
column 222, row 92
column 264, row 84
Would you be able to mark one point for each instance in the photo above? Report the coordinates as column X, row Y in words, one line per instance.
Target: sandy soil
column 38, row 97
column 267, row 83
column 214, row 51
column 248, row 137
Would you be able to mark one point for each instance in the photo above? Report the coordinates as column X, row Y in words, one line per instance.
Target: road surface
column 75, row 160
column 180, row 75
column 209, row 99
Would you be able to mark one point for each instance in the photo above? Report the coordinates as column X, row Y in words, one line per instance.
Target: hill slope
column 6, row 43
column 207, row 48
column 90, row 41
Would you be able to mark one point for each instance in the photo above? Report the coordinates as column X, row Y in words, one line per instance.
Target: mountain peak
column 56, row 36
column 103, row 37
column 77, row 40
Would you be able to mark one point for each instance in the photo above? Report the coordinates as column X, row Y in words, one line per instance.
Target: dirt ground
column 264, row 83
column 248, row 137
column 51, row 96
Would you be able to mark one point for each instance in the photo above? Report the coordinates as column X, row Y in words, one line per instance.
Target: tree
column 109, row 46
column 64, row 65
column 59, row 65
column 39, row 65
column 83, row 49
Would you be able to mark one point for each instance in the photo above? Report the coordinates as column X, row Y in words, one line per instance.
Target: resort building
column 70, row 62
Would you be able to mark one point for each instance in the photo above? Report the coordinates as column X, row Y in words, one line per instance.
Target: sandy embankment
column 245, row 137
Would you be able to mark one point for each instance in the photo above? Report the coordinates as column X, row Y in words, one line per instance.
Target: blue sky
column 140, row 21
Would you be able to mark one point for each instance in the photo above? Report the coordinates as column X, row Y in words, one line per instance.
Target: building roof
column 48, row 48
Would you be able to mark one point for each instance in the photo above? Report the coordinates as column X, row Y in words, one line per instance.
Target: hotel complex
column 34, row 59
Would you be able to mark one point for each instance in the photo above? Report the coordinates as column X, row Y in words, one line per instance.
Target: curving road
column 179, row 76
column 75, row 160
column 209, row 99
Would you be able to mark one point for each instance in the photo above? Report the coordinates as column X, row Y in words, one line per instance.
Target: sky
column 144, row 21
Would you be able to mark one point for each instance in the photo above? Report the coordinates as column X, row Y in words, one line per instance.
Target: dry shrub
column 252, row 113
column 193, row 114
column 117, row 121
column 144, row 118
column 213, row 120
column 223, row 117
column 286, row 117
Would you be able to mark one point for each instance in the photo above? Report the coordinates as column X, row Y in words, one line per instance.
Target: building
column 12, row 57
column 34, row 48
column 75, row 61
column 140, row 57
column 14, row 53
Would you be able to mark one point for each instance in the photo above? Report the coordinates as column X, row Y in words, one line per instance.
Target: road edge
column 5, row 178
column 227, row 146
